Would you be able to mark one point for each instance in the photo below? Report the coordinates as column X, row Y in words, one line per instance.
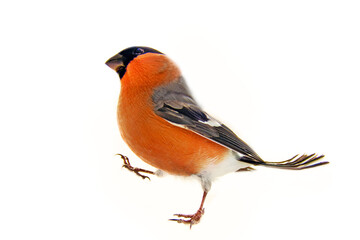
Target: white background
column 282, row 74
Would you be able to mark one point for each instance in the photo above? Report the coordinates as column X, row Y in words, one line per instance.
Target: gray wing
column 174, row 103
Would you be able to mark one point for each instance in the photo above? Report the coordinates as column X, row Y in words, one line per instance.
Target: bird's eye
column 138, row 51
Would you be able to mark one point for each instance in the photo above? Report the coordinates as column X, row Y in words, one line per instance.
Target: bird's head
column 120, row 61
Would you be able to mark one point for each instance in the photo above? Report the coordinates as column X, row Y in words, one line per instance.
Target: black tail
column 294, row 163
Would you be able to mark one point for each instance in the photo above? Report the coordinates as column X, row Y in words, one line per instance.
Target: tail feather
column 294, row 163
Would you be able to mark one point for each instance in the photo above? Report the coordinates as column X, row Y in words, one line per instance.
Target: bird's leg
column 192, row 218
column 137, row 171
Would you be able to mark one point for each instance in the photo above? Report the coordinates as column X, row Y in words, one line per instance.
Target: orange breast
column 156, row 141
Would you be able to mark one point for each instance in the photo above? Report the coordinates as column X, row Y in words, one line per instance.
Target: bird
column 164, row 126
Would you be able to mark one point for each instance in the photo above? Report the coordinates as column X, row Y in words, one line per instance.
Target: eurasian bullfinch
column 163, row 125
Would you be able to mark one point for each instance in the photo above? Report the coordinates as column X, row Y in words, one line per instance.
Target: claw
column 136, row 170
column 180, row 220
column 192, row 218
column 184, row 215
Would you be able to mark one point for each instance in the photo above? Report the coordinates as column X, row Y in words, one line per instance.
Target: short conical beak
column 115, row 62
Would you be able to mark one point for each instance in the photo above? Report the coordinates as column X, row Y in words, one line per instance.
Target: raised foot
column 189, row 218
column 136, row 170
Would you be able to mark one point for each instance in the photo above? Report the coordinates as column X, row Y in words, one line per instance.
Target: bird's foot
column 189, row 218
column 136, row 170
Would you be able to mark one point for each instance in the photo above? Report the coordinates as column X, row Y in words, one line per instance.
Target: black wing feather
column 174, row 103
